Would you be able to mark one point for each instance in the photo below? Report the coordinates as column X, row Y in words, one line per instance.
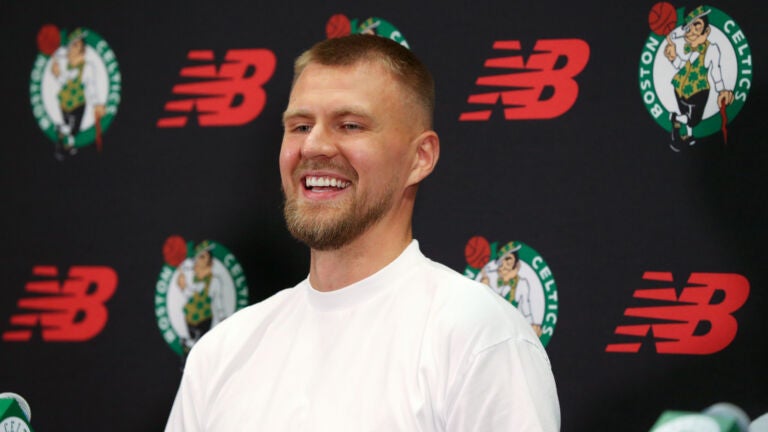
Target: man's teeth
column 312, row 181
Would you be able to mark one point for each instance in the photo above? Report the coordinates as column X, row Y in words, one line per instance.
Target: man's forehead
column 366, row 75
column 370, row 66
column 372, row 83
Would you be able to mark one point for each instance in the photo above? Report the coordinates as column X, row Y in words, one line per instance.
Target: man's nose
column 319, row 143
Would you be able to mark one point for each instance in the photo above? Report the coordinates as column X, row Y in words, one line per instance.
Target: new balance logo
column 231, row 95
column 541, row 88
column 71, row 311
column 698, row 321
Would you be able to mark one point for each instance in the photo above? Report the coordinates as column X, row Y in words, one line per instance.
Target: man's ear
column 426, row 156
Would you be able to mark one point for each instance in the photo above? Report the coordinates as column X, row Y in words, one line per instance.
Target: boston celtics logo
column 75, row 88
column 199, row 286
column 339, row 25
column 695, row 72
column 520, row 275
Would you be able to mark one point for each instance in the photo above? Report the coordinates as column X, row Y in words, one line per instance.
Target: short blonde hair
column 400, row 61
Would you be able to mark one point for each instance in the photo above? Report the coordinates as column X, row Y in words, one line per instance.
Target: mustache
column 323, row 165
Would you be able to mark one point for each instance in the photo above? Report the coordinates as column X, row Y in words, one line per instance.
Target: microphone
column 15, row 413
column 720, row 417
column 759, row 424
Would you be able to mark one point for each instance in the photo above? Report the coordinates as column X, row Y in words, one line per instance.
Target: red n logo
column 524, row 84
column 231, row 95
column 675, row 323
column 72, row 311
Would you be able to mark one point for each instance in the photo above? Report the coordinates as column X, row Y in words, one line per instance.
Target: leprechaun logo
column 198, row 287
column 339, row 25
column 75, row 88
column 518, row 273
column 695, row 72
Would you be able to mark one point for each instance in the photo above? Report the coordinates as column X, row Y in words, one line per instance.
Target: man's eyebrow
column 291, row 114
column 351, row 110
column 339, row 112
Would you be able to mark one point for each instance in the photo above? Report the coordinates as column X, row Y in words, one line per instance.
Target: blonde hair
column 400, row 61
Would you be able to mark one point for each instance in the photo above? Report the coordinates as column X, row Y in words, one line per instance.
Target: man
column 698, row 61
column 76, row 76
column 378, row 337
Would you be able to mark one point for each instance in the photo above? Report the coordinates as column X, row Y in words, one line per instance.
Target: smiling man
column 378, row 337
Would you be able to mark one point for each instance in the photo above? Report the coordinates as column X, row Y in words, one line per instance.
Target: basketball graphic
column 477, row 252
column 48, row 39
column 338, row 25
column 662, row 18
column 174, row 250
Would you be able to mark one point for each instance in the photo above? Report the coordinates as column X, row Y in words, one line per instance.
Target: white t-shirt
column 414, row 347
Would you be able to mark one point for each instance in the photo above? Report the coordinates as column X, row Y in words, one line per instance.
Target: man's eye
column 302, row 128
column 351, row 126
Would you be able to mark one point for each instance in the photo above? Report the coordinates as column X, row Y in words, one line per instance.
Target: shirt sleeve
column 217, row 300
column 91, row 86
column 506, row 387
column 185, row 412
column 712, row 60
column 524, row 300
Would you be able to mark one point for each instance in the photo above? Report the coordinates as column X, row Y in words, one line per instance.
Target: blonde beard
column 321, row 232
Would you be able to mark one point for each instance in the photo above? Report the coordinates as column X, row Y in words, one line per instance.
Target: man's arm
column 671, row 51
column 712, row 59
column 217, row 300
column 506, row 387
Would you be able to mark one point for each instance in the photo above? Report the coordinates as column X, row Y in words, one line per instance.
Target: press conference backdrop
column 139, row 157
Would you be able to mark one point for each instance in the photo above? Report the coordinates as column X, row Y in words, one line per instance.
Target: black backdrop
column 597, row 191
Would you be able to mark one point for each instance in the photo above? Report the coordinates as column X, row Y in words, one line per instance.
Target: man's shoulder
column 466, row 307
column 459, row 290
column 235, row 329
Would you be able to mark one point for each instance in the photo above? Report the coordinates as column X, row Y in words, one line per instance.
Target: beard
column 324, row 226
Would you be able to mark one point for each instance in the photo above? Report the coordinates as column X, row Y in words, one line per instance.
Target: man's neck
column 364, row 256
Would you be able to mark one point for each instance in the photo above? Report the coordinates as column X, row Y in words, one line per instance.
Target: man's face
column 203, row 264
column 76, row 52
column 508, row 267
column 695, row 35
column 346, row 151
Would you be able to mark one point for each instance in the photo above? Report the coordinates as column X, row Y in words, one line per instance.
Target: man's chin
column 316, row 226
column 320, row 237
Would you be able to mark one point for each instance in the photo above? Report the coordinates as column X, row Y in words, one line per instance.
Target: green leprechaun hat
column 509, row 248
column 694, row 15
